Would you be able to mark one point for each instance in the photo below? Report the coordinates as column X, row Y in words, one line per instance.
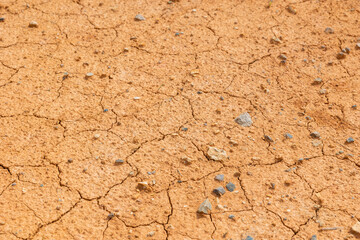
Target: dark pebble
column 231, row 216
column 249, row 238
column 340, row 55
column 2, row 19
column 219, row 191
column 329, row 30
column 230, row 186
column 268, row 138
column 111, row 215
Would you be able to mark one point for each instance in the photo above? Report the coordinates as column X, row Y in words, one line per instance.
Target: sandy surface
column 113, row 127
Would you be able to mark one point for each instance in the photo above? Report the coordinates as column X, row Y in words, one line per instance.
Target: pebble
column 139, row 17
column 70, row 160
column 313, row 237
column 216, row 154
column 96, row 136
column 13, row 184
column 142, row 185
column 150, row 234
column 249, row 238
column 317, row 80
column 357, row 46
column 315, row 135
column 275, row 40
column 282, row 57
column 244, row 120
column 89, row 74
column 230, row 186
column 119, row 161
column 219, row 191
column 2, row 19
column 288, row 136
column 219, row 177
column 205, row 207
column 347, row 50
column 231, row 216
column 33, row 24
column 350, row 140
column 322, row 91
column 106, row 110
column 136, row 98
column 356, row 227
column 329, row 30
column 291, row 10
column 110, row 216
column 340, row 55
column 268, row 138
column 316, row 143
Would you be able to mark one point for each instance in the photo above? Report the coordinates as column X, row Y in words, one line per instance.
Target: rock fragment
column 313, row 237
column 357, row 46
column 216, row 154
column 119, row 161
column 275, row 40
column 315, row 135
column 350, row 140
column 219, row 191
column 290, row 9
column 205, row 207
column 356, row 227
column 268, row 138
column 139, row 17
column 288, row 136
column 340, row 55
column 282, row 57
column 89, row 75
column 2, row 19
column 249, row 238
column 33, row 24
column 317, row 81
column 219, row 177
column 230, row 186
column 244, row 120
column 329, row 30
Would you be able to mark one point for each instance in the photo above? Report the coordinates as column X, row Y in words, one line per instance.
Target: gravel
column 219, row 191
column 139, row 17
column 230, row 186
column 244, row 120
column 205, row 207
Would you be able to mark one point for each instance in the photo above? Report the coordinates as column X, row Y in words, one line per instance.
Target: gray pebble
column 340, row 55
column 313, row 237
column 119, row 161
column 89, row 74
column 268, row 138
column 205, row 207
column 347, row 50
column 219, row 177
column 244, row 120
column 357, row 46
column 2, row 19
column 350, row 140
column 231, row 216
column 230, row 186
column 329, row 30
column 317, row 80
column 139, row 17
column 282, row 57
column 315, row 135
column 33, row 24
column 70, row 160
column 288, row 136
column 219, row 191
column 249, row 238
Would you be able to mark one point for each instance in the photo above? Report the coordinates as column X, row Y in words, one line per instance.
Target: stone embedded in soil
column 317, row 80
column 230, row 186
column 313, row 237
column 119, row 161
column 150, row 234
column 33, row 24
column 142, row 185
column 139, row 17
column 340, row 55
column 357, row 46
column 356, row 227
column 350, row 140
column 268, row 138
column 205, row 207
column 282, row 57
column 231, row 216
column 219, row 191
column 89, row 74
column 322, row 91
column 2, row 19
column 219, row 177
column 216, row 154
column 329, row 30
column 244, row 120
column 315, row 135
column 275, row 40
column 111, row 215
column 347, row 50
column 291, row 10
column 249, row 238
column 288, row 136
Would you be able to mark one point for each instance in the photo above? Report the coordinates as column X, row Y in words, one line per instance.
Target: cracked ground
column 106, row 122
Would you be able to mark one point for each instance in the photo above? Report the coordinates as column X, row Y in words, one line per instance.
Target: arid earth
column 117, row 119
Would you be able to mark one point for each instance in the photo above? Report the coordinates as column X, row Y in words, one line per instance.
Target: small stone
column 110, row 216
column 142, row 185
column 282, row 57
column 136, row 98
column 288, row 136
column 315, row 135
column 221, row 98
column 291, row 10
column 322, row 91
column 96, row 136
column 350, row 140
column 186, row 160
column 219, row 177
column 356, row 227
column 139, row 17
column 353, row 106
column 275, row 40
column 150, row 234
column 340, row 55
column 272, row 185
column 313, row 237
column 205, row 207
column 33, row 24
column 184, row 129
column 316, row 143
column 230, row 186
column 70, row 160
column 2, row 19
column 219, row 191
column 119, row 161
column 249, row 238
column 317, row 80
column 195, row 72
column 13, row 184
column 347, row 50
column 357, row 46
column 106, row 110
column 329, row 30
column 268, row 138
column 89, row 75
column 244, row 120
column 232, row 216
column 216, row 154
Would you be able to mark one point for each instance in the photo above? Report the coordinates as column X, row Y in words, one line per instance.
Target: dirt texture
column 118, row 119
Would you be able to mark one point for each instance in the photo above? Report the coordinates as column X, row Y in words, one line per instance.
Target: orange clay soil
column 117, row 119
